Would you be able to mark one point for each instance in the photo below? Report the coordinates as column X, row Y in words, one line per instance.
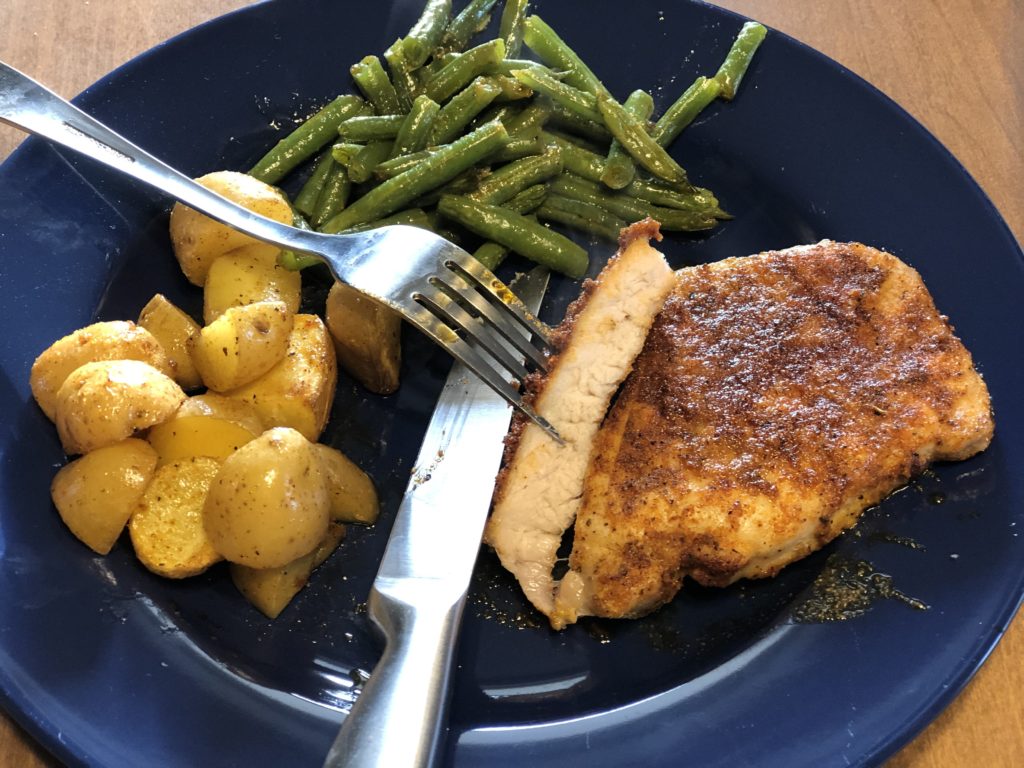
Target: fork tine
column 469, row 357
column 461, row 290
column 446, row 305
column 500, row 295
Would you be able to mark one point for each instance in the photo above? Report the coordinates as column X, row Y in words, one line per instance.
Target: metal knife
column 420, row 590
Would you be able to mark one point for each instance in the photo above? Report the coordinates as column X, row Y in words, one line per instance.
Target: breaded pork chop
column 777, row 397
column 540, row 486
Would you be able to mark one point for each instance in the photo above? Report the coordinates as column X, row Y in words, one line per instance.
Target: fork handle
column 31, row 107
column 398, row 716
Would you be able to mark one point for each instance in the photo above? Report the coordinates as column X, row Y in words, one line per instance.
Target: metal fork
column 432, row 283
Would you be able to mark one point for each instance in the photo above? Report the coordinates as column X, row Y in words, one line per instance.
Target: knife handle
column 396, row 721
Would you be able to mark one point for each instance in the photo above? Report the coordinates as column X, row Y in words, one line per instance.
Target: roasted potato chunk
column 96, row 494
column 248, row 275
column 367, row 338
column 104, row 402
column 198, row 239
column 299, row 390
column 205, row 425
column 174, row 330
column 242, row 344
column 269, row 503
column 353, row 497
column 114, row 340
column 166, row 528
column 271, row 589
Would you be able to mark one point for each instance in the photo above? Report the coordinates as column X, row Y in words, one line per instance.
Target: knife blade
column 418, row 595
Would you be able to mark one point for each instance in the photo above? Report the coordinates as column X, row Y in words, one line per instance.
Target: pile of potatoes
column 233, row 471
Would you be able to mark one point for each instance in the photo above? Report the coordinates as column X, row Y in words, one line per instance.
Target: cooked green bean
column 511, row 27
column 401, row 163
column 333, row 197
column 465, row 182
column 556, row 53
column 581, row 215
column 528, row 123
column 373, row 154
column 696, row 200
column 305, row 201
column 517, row 148
column 685, row 109
column 577, row 159
column 594, row 133
column 738, row 59
column 458, row 74
column 629, row 208
column 414, row 133
column 528, row 200
column 619, row 168
column 491, row 254
column 402, row 78
column 511, row 89
column 506, row 112
column 413, row 217
column 376, row 86
column 426, row 33
column 578, row 102
column 638, row 143
column 509, row 180
column 470, row 20
column 517, row 232
column 306, row 140
column 345, row 153
column 442, row 166
column 461, row 109
column 505, row 67
column 370, row 127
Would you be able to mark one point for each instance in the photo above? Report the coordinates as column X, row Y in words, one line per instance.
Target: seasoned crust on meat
column 776, row 398
column 540, row 487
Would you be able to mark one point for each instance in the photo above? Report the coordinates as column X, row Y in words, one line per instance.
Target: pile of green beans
column 490, row 143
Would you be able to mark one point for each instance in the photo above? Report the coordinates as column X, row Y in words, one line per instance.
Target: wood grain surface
column 955, row 65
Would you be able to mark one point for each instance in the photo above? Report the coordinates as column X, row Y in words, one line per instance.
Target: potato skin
column 112, row 340
column 96, row 494
column 268, row 504
column 174, row 329
column 248, row 275
column 166, row 527
column 104, row 402
column 353, row 497
column 242, row 344
column 198, row 239
column 298, row 392
column 367, row 338
column 271, row 589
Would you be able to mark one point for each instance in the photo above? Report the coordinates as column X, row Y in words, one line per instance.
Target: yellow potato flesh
column 167, row 526
column 248, row 275
column 173, row 329
column 269, row 503
column 105, row 402
column 298, row 391
column 353, row 497
column 242, row 344
column 222, row 407
column 198, row 239
column 186, row 436
column 96, row 494
column 113, row 340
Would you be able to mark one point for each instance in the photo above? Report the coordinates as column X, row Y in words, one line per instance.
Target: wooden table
column 955, row 65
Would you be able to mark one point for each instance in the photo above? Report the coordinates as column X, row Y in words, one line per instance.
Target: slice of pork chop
column 540, row 487
column 777, row 397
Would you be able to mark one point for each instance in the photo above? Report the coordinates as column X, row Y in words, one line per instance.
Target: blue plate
column 109, row 665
